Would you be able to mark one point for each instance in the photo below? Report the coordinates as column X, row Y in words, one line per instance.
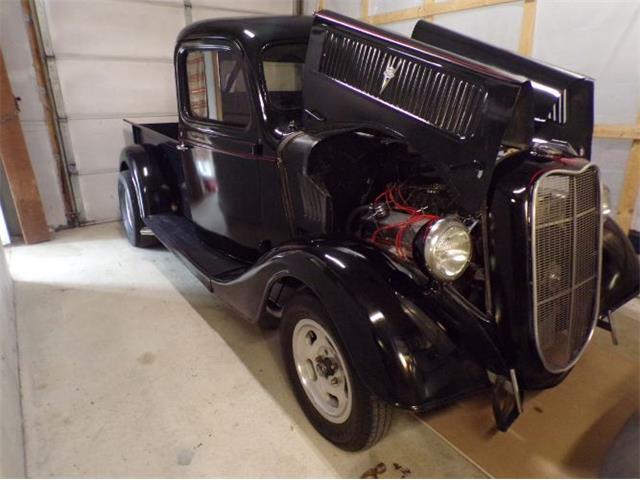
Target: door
column 218, row 130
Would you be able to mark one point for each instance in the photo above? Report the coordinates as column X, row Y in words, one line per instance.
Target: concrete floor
column 131, row 368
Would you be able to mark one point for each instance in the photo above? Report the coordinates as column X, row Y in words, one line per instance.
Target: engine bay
column 382, row 191
column 415, row 221
column 398, row 213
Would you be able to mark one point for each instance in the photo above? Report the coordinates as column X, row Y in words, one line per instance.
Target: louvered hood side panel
column 563, row 100
column 454, row 113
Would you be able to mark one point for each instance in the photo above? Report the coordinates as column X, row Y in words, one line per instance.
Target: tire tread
column 373, row 418
column 135, row 237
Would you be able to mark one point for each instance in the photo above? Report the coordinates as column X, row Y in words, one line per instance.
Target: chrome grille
column 439, row 98
column 566, row 241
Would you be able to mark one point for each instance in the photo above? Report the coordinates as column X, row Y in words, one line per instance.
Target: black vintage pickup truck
column 418, row 215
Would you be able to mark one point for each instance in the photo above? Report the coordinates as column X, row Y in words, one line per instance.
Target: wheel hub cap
column 322, row 371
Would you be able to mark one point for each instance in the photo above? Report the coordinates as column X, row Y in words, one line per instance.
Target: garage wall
column 112, row 59
column 594, row 37
column 17, row 55
column 11, row 440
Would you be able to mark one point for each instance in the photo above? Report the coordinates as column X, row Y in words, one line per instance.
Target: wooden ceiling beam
column 429, row 9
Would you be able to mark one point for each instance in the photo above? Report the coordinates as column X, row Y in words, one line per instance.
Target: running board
column 180, row 236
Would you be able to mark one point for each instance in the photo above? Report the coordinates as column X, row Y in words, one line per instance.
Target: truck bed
column 154, row 133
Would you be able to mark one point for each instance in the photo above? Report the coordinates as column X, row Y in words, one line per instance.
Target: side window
column 216, row 87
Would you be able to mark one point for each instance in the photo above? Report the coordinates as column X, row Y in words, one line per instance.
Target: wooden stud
column 364, row 10
column 631, row 132
column 17, row 166
column 49, row 114
column 321, row 4
column 428, row 9
column 427, row 4
column 630, row 187
column 527, row 28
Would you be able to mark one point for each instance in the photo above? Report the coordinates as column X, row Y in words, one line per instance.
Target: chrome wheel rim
column 322, row 371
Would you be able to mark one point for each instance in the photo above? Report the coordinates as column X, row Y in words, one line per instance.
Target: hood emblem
column 388, row 74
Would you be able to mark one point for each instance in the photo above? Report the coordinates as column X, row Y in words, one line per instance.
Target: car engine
column 415, row 221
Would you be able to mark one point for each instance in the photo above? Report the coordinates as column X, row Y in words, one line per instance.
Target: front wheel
column 330, row 393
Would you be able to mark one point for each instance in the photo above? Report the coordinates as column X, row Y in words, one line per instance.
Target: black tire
column 369, row 418
column 130, row 213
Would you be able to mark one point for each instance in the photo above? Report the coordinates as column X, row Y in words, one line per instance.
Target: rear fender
column 406, row 343
column 153, row 192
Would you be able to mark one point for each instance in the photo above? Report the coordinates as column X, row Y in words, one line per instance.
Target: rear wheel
column 130, row 213
column 330, row 393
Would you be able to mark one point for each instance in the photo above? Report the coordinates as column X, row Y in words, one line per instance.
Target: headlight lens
column 447, row 249
column 605, row 202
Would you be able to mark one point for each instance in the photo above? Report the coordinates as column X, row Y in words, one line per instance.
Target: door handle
column 182, row 147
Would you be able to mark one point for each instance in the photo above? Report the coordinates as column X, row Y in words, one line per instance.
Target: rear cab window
column 283, row 66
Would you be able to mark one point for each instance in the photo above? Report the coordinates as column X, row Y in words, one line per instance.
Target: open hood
column 455, row 110
column 563, row 100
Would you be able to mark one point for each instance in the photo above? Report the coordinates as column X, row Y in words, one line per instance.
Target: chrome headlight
column 605, row 201
column 447, row 249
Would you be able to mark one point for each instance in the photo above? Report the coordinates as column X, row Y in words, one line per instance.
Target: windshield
column 282, row 66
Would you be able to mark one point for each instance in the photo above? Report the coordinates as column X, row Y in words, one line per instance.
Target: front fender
column 153, row 192
column 407, row 342
column 620, row 269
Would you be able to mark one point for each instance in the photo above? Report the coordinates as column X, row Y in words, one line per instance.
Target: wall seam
column 8, row 255
column 38, row 10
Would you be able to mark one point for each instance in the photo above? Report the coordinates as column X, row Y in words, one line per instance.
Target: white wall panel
column 309, row 6
column 385, row 6
column 350, row 8
column 114, row 28
column 272, row 7
column 346, row 7
column 36, row 135
column 100, row 196
column 206, row 9
column 601, row 40
column 198, row 14
column 113, row 87
column 17, row 56
column 496, row 24
column 98, row 142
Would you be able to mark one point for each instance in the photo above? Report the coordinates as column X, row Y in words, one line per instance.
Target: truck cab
column 418, row 216
column 239, row 94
